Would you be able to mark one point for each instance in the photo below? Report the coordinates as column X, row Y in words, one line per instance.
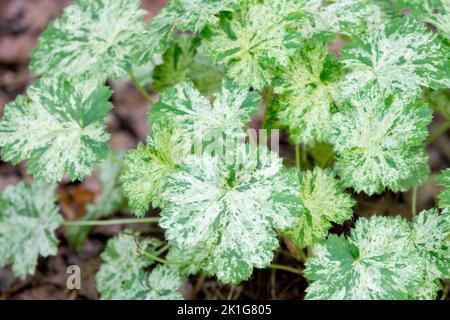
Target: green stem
column 443, row 127
column 115, row 159
column 285, row 268
column 444, row 291
column 414, row 202
column 79, row 223
column 297, row 157
column 161, row 260
column 268, row 100
column 162, row 250
column 141, row 88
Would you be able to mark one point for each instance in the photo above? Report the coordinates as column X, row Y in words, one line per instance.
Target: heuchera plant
column 226, row 202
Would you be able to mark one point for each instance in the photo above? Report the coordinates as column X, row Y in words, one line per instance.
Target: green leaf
column 431, row 231
column 107, row 203
column 183, row 62
column 379, row 142
column 438, row 100
column 28, row 220
column 230, row 207
column 444, row 196
column 401, row 55
column 147, row 167
column 58, row 129
column 188, row 109
column 194, row 15
column 256, row 39
column 307, row 89
column 374, row 263
column 162, row 283
column 122, row 261
column 325, row 201
column 93, row 36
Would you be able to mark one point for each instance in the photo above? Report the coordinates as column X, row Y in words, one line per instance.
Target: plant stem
column 141, row 88
column 230, row 293
column 414, row 202
column 285, row 268
column 268, row 100
column 161, row 260
column 162, row 250
column 297, row 157
column 115, row 159
column 79, row 223
column 444, row 291
column 438, row 131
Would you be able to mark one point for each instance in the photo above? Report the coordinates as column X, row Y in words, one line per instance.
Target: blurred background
column 21, row 22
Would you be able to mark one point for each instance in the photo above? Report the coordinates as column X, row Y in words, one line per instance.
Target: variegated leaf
column 257, row 38
column 444, row 196
column 122, row 261
column 325, row 201
column 231, row 207
column 28, row 220
column 163, row 283
column 307, row 91
column 147, row 167
column 379, row 142
column 438, row 100
column 58, row 128
column 374, row 263
column 189, row 110
column 93, row 36
column 401, row 55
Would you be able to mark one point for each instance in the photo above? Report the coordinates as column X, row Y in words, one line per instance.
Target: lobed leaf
column 325, row 201
column 373, row 263
column 401, row 55
column 58, row 129
column 307, row 91
column 147, row 167
column 254, row 40
column 379, row 142
column 96, row 37
column 28, row 220
column 122, row 261
column 230, row 207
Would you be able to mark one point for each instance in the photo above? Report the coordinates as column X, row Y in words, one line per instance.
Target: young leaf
column 58, row 129
column 162, row 283
column 379, row 142
column 121, row 261
column 444, row 197
column 232, row 207
column 188, row 109
column 325, row 201
column 374, row 263
column 401, row 55
column 184, row 62
column 108, row 202
column 307, row 90
column 257, row 38
column 28, row 220
column 93, row 36
column 147, row 167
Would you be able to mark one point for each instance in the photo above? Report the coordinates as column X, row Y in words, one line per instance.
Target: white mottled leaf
column 306, row 92
column 162, row 283
column 122, row 261
column 147, row 167
column 189, row 110
column 93, row 36
column 325, row 201
column 257, row 38
column 401, row 55
column 379, row 142
column 231, row 207
column 28, row 220
column 58, row 128
column 374, row 263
